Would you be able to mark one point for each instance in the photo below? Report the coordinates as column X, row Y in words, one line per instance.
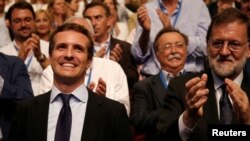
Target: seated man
column 84, row 115
column 170, row 46
column 219, row 95
column 109, row 71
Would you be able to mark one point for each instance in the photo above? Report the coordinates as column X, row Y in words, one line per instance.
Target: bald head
column 81, row 21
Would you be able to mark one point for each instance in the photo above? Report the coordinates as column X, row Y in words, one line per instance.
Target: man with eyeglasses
column 219, row 95
column 170, row 46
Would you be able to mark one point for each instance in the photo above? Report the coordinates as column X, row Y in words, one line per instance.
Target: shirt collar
column 168, row 75
column 103, row 43
column 218, row 82
column 163, row 8
column 81, row 93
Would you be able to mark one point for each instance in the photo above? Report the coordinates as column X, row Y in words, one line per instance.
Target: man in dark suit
column 90, row 117
column 193, row 102
column 105, row 45
column 171, row 51
column 15, row 85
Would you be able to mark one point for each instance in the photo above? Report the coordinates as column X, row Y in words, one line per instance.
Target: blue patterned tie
column 63, row 126
column 226, row 110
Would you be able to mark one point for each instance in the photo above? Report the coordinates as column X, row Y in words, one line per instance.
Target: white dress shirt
column 110, row 71
column 78, row 104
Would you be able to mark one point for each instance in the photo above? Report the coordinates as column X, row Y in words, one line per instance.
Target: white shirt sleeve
column 184, row 131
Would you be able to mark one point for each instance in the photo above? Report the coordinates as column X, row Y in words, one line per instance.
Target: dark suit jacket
column 213, row 8
column 127, row 61
column 105, row 120
column 17, row 86
column 146, row 105
column 174, row 105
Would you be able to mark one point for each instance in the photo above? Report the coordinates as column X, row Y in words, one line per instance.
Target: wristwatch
column 42, row 58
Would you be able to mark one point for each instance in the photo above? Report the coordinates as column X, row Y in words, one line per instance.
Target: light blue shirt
column 78, row 103
column 193, row 20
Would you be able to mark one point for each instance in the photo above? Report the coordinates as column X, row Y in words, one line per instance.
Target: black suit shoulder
column 104, row 102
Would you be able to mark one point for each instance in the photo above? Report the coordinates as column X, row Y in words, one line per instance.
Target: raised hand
column 116, row 53
column 240, row 101
column 100, row 88
column 143, row 18
column 196, row 97
column 101, row 53
column 164, row 18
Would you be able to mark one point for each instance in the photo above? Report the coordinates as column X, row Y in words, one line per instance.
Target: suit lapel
column 93, row 117
column 112, row 43
column 158, row 88
column 41, row 117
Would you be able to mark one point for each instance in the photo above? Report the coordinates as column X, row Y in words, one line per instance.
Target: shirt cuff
column 184, row 131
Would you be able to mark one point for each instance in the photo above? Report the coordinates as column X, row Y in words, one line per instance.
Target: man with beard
column 171, row 51
column 220, row 95
column 25, row 44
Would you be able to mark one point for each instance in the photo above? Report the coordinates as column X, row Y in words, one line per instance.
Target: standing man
column 26, row 45
column 87, row 116
column 190, row 17
column 105, row 45
column 219, row 95
column 171, row 51
column 14, row 86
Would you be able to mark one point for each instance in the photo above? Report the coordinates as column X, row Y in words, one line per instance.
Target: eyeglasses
column 170, row 45
column 232, row 45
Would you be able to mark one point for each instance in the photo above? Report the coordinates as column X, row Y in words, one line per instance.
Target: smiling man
column 218, row 96
column 84, row 115
column 171, row 51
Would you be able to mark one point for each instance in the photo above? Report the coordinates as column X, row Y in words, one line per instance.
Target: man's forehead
column 71, row 36
column 96, row 10
column 21, row 12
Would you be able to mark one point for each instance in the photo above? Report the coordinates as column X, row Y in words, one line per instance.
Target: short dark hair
column 228, row 15
column 73, row 27
column 168, row 30
column 94, row 4
column 19, row 5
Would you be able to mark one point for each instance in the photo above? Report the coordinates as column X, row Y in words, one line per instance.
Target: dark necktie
column 63, row 126
column 226, row 111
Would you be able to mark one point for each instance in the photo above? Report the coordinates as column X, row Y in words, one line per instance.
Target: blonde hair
column 40, row 11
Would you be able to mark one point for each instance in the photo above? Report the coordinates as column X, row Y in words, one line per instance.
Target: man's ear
column 7, row 22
